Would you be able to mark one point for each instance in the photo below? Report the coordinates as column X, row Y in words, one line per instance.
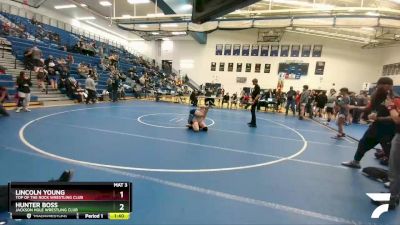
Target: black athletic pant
column 91, row 96
column 371, row 138
column 253, row 113
column 3, row 111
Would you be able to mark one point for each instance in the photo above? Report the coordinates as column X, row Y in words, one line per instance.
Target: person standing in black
column 255, row 95
column 382, row 129
column 290, row 101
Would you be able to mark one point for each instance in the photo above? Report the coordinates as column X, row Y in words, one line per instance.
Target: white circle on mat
column 141, row 120
column 208, row 170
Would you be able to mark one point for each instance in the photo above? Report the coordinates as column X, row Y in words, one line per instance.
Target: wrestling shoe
column 66, row 176
column 352, row 164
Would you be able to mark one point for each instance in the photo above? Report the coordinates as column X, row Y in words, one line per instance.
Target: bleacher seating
column 127, row 60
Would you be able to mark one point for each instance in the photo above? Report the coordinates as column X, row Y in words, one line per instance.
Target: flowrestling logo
column 381, row 197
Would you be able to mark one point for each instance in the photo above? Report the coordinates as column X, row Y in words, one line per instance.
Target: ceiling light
column 169, row 25
column 105, row 3
column 166, row 39
column 372, row 14
column 155, row 14
column 178, row 33
column 86, row 18
column 126, row 16
column 186, row 7
column 65, row 6
column 138, row 1
column 143, row 25
column 83, row 5
column 155, row 33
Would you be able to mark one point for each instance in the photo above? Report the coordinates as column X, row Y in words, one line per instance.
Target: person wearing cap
column 255, row 96
column 197, row 119
column 382, row 129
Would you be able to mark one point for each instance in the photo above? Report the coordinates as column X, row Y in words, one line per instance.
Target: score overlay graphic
column 75, row 200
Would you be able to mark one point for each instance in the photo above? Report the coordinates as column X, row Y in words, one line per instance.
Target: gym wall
column 347, row 65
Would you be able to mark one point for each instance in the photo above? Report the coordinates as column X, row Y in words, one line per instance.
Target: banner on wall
column 221, row 66
column 317, row 51
column 213, row 66
column 257, row 68
column 239, row 67
column 274, row 50
column 254, row 50
column 319, row 68
column 228, row 49
column 264, row 50
column 248, row 67
column 295, row 51
column 290, row 76
column 305, row 51
column 218, row 49
column 267, row 68
column 236, row 49
column 281, row 81
column 385, row 70
column 284, row 50
column 230, row 67
column 397, row 69
column 241, row 80
column 245, row 50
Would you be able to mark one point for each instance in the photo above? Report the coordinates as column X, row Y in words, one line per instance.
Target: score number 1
column 121, row 206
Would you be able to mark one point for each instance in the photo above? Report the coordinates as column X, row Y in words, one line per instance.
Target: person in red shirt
column 298, row 96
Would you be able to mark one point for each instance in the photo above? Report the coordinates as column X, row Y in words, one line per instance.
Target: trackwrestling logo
column 382, row 197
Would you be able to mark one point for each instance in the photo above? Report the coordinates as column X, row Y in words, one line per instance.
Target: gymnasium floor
column 284, row 172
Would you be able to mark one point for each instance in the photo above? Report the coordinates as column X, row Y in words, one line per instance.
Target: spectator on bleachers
column 40, row 33
column 74, row 90
column 100, row 52
column 34, row 21
column 42, row 78
column 49, row 60
column 83, row 70
column 3, row 98
column 91, row 89
column 50, row 64
column 18, row 31
column 63, row 48
column 33, row 57
column 54, row 37
column 23, row 88
column 114, row 59
column 6, row 28
column 70, row 60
